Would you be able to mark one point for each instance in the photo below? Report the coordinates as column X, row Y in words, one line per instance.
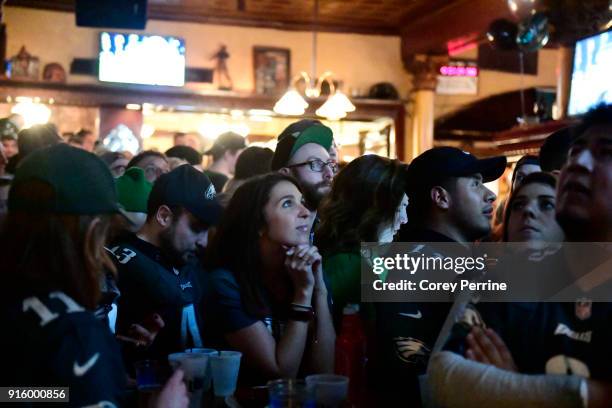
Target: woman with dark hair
column 52, row 266
column 270, row 300
column 367, row 203
column 530, row 212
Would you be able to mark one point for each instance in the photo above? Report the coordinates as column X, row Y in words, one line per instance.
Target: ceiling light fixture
column 292, row 103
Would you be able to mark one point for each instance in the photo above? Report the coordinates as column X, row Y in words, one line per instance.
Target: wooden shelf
column 104, row 94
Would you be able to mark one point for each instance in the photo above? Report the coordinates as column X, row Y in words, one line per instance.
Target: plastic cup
column 209, row 352
column 330, row 390
column 194, row 366
column 225, row 366
column 290, row 393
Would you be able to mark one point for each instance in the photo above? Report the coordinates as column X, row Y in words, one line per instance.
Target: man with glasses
column 303, row 152
column 153, row 163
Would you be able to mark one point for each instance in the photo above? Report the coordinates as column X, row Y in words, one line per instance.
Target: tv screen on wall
column 592, row 73
column 141, row 59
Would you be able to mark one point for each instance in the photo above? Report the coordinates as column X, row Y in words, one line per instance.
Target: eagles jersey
column 50, row 340
column 407, row 333
column 150, row 283
column 551, row 338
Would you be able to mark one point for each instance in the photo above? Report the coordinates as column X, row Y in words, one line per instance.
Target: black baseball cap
column 226, row 141
column 297, row 135
column 189, row 188
column 436, row 164
column 81, row 181
column 187, row 153
column 553, row 153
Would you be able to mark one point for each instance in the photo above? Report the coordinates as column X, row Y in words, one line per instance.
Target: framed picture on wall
column 272, row 69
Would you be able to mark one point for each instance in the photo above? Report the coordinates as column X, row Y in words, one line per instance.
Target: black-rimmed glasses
column 318, row 165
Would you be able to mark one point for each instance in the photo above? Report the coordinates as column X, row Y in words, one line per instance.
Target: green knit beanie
column 133, row 190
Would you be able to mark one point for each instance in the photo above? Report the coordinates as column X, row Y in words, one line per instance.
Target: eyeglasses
column 318, row 165
column 154, row 171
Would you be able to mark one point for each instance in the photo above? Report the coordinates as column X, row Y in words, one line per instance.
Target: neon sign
column 462, row 71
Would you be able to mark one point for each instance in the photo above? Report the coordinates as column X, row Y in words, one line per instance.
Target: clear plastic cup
column 225, row 367
column 290, row 393
column 209, row 352
column 194, row 366
column 330, row 390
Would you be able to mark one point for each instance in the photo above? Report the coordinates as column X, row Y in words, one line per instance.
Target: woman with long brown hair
column 270, row 301
column 367, row 203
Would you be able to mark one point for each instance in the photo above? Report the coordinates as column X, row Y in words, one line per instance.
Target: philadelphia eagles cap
column 189, row 188
column 81, row 182
column 434, row 165
column 297, row 135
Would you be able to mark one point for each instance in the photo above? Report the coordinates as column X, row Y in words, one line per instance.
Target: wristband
column 300, row 306
column 301, row 313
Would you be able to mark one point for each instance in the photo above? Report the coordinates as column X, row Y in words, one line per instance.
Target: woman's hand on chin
column 299, row 264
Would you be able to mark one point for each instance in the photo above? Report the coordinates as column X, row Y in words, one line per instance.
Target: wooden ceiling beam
column 431, row 32
column 198, row 15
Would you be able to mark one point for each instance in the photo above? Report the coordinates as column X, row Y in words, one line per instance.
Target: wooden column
column 565, row 58
column 424, row 69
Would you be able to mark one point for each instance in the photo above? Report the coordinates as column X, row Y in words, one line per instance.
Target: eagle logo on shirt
column 210, row 192
column 411, row 350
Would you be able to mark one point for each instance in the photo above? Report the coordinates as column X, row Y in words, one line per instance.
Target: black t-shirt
column 149, row 283
column 227, row 314
column 217, row 179
column 50, row 340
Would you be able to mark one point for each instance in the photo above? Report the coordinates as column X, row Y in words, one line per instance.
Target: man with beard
column 303, row 152
column 157, row 269
column 547, row 354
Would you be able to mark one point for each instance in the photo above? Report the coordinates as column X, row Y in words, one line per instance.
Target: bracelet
column 301, row 313
column 300, row 306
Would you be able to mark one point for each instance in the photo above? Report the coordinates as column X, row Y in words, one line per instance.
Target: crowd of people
column 108, row 260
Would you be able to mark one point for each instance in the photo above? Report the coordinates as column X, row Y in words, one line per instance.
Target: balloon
column 533, row 33
column 502, row 34
column 522, row 9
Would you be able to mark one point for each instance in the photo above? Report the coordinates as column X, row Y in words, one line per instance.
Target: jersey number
column 124, row 255
column 46, row 315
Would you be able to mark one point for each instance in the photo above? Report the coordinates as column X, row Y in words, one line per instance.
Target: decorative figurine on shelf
column 24, row 66
column 54, row 72
column 224, row 81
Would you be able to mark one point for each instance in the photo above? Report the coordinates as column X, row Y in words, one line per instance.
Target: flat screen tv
column 592, row 73
column 141, row 59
